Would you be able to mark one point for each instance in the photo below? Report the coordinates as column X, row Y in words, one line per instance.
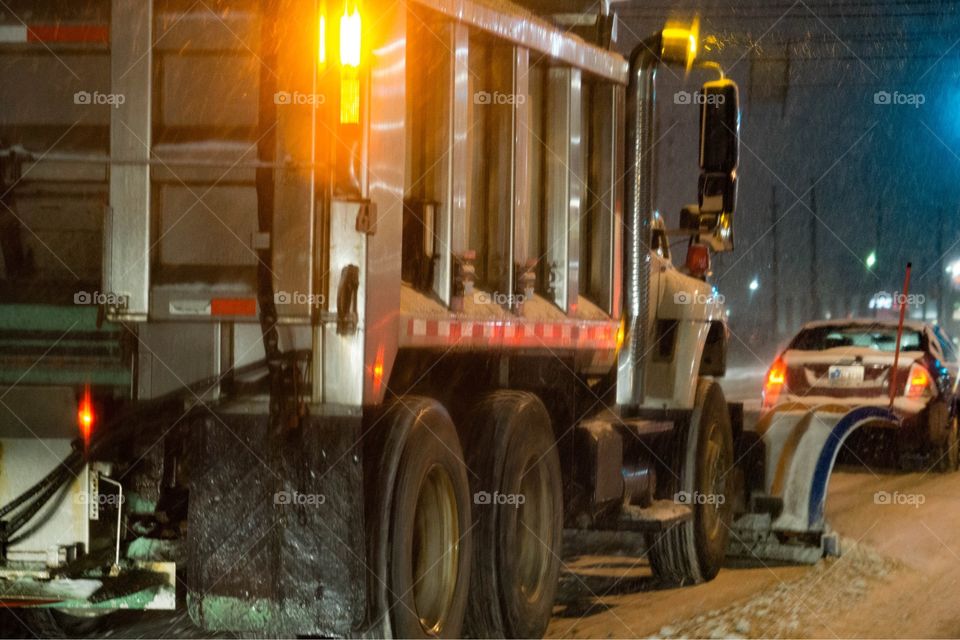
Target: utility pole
column 814, row 288
column 941, row 290
column 877, row 238
column 774, row 215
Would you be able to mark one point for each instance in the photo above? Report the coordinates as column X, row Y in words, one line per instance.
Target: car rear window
column 878, row 338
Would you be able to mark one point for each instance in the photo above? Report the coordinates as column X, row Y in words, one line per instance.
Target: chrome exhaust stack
column 670, row 46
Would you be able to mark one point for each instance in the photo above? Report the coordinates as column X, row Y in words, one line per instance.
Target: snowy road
column 898, row 577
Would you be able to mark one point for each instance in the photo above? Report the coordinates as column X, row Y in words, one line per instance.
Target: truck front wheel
column 701, row 476
column 429, row 548
column 518, row 495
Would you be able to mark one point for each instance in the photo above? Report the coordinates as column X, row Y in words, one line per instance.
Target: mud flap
column 801, row 444
column 275, row 536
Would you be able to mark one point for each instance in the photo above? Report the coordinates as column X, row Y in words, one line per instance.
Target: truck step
column 659, row 516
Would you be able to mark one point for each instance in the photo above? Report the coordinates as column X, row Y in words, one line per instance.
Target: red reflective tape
column 433, row 328
column 27, row 601
column 233, row 307
column 455, row 331
column 68, row 33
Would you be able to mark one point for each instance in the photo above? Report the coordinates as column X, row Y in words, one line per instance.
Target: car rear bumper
column 905, row 408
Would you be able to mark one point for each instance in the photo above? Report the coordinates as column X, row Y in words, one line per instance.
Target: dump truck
column 329, row 319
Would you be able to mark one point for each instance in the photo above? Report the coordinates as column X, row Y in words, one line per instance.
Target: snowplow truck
column 328, row 319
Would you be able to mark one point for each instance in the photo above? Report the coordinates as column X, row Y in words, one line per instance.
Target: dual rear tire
column 430, row 531
column 472, row 544
column 518, row 513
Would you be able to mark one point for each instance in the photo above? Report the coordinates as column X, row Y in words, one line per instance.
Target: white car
column 850, row 362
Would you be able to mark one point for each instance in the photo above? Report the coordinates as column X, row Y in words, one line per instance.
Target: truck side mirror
column 719, row 126
column 719, row 157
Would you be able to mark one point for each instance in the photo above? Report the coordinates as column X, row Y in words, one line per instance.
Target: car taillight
column 918, row 382
column 776, row 377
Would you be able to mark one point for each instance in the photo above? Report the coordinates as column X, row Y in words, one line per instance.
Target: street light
column 754, row 284
column 871, row 259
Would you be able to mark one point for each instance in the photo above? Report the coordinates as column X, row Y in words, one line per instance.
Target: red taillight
column 85, row 415
column 918, row 382
column 776, row 377
column 698, row 260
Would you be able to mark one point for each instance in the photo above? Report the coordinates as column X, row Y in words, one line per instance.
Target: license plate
column 841, row 375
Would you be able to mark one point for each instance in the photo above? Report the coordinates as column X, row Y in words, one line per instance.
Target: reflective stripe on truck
column 55, row 33
column 421, row 332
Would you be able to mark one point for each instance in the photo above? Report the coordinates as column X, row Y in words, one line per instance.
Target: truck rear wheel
column 518, row 509
column 429, row 549
column 702, row 477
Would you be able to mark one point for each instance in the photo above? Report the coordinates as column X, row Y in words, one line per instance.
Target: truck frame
column 382, row 306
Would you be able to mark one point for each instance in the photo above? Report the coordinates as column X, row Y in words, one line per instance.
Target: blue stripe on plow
column 821, row 474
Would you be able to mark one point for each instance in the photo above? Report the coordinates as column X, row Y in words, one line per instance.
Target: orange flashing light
column 350, row 38
column 351, row 53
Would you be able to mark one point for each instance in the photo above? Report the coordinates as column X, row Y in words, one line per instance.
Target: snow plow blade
column 800, row 446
